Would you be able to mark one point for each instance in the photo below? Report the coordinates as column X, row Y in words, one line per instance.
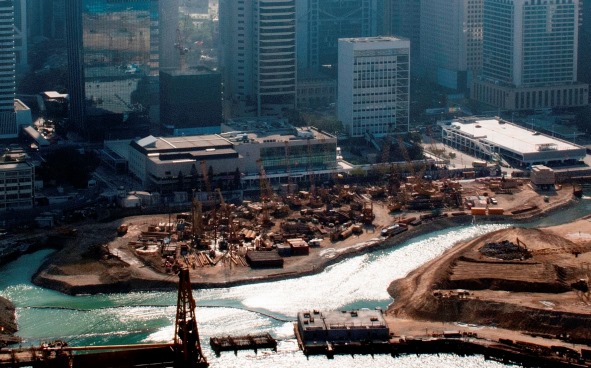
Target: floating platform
column 248, row 342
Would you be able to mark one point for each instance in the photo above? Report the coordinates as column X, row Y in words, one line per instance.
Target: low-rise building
column 342, row 326
column 231, row 160
column 17, row 177
column 496, row 139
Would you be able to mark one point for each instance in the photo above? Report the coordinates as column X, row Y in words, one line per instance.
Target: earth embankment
column 535, row 280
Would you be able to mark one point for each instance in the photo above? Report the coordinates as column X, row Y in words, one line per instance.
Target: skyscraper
column 45, row 19
column 374, row 85
column 258, row 55
column 113, row 56
column 402, row 18
column 8, row 127
column 530, row 53
column 322, row 22
column 451, row 41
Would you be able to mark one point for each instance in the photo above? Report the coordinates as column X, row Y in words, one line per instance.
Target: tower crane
column 179, row 44
column 197, row 221
column 266, row 192
column 206, row 178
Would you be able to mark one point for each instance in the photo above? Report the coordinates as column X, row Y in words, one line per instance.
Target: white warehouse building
column 496, row 139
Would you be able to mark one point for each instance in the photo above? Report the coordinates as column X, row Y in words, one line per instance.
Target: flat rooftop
column 54, row 94
column 364, row 318
column 372, row 39
column 512, row 137
column 268, row 130
column 184, row 143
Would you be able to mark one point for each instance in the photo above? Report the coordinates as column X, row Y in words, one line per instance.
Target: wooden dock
column 248, row 342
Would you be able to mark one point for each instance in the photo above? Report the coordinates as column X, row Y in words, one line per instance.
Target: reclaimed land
column 97, row 261
column 535, row 281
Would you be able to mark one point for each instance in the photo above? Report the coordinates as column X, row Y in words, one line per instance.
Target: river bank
column 8, row 324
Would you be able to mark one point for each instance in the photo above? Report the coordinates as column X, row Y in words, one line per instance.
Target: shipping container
column 478, row 210
column 496, row 211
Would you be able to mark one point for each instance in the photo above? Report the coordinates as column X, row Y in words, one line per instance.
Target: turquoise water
column 357, row 282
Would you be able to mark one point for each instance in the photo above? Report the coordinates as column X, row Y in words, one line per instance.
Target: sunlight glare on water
column 361, row 278
column 356, row 282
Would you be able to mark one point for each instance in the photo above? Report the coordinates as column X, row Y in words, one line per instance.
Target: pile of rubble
column 505, row 250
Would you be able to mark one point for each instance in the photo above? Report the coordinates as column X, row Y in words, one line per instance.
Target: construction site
column 287, row 233
column 531, row 280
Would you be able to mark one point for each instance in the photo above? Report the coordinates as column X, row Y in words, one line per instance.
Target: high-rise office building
column 21, row 37
column 191, row 101
column 402, row 18
column 258, row 55
column 584, row 67
column 113, row 57
column 8, row 128
column 168, row 16
column 451, row 41
column 45, row 19
column 321, row 23
column 530, row 52
column 373, row 85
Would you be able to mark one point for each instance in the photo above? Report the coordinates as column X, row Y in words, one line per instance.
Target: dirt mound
column 530, row 294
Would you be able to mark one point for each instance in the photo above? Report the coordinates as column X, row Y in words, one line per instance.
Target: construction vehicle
column 266, row 195
column 367, row 215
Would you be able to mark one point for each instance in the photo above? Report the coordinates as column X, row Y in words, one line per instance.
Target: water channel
column 358, row 282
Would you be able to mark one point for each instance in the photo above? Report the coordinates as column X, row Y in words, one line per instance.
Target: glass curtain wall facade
column 120, row 58
column 322, row 22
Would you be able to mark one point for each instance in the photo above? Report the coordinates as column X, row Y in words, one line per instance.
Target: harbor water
column 147, row 317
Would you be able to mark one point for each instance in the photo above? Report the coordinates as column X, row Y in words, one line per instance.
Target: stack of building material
column 542, row 175
column 299, row 247
column 264, row 259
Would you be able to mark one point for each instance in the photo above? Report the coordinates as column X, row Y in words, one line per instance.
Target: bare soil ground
column 534, row 294
column 100, row 261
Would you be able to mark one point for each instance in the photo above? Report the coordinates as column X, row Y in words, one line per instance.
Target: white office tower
column 8, row 127
column 373, row 85
column 530, row 55
column 258, row 55
column 451, row 41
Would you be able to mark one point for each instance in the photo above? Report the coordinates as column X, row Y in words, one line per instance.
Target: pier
column 248, row 342
column 462, row 344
